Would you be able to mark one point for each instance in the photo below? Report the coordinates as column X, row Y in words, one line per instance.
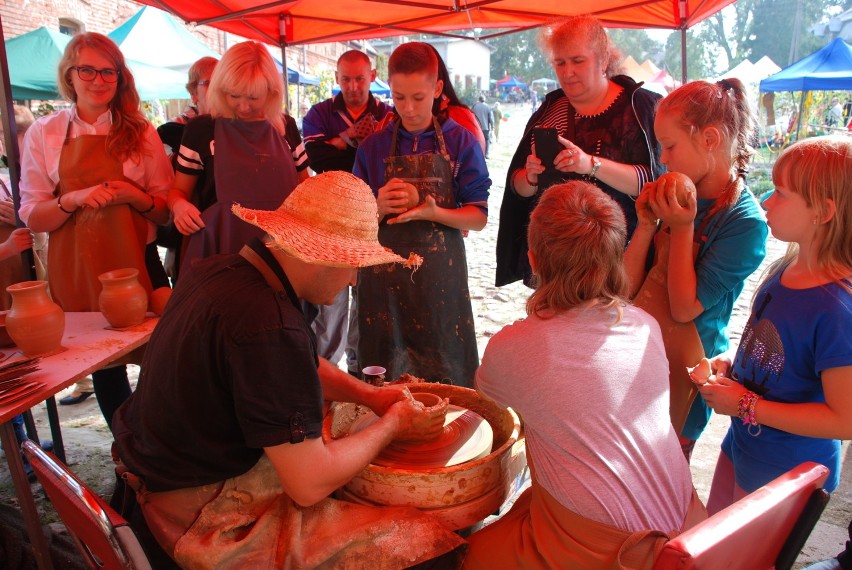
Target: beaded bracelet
column 746, row 411
column 59, row 203
column 527, row 176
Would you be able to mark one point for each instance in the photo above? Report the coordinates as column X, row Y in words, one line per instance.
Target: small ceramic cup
column 374, row 375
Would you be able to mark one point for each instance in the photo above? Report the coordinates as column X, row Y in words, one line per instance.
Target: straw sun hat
column 329, row 219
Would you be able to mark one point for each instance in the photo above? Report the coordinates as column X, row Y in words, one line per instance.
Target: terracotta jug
column 123, row 301
column 35, row 322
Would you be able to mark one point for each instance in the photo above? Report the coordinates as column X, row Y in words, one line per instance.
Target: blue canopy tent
column 508, row 82
column 296, row 76
column 827, row 69
column 377, row 87
column 154, row 37
column 34, row 57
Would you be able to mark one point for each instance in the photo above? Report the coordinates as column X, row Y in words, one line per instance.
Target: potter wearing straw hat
column 222, row 439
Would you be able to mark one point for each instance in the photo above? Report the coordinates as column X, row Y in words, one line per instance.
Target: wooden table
column 88, row 345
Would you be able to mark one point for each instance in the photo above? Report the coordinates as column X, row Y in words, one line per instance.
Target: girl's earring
column 815, row 220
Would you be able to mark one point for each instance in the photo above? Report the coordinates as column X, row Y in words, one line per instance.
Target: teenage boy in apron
column 431, row 183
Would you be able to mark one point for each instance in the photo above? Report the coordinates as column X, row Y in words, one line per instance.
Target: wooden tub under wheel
column 460, row 495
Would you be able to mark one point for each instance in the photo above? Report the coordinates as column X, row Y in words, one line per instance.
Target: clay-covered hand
column 19, row 240
column 397, row 197
column 187, row 218
column 425, row 211
column 417, row 423
column 382, row 398
column 675, row 199
column 7, row 212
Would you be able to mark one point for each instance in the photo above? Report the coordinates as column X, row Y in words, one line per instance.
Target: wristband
column 530, row 182
column 151, row 207
column 596, row 164
column 59, row 203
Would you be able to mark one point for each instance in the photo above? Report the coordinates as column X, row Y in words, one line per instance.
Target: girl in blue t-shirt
column 712, row 235
column 787, row 389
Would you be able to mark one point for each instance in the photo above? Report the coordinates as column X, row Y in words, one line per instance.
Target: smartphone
column 546, row 145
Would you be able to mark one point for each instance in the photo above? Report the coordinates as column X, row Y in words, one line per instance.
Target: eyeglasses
column 89, row 73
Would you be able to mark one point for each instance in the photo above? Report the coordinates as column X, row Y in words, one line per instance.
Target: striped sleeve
column 189, row 161
column 300, row 157
column 643, row 175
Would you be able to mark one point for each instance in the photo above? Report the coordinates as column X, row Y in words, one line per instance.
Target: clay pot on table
column 34, row 322
column 123, row 301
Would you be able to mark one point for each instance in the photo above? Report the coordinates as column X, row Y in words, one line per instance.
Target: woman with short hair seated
column 587, row 373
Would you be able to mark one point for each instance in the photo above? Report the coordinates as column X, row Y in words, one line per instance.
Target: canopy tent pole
column 801, row 112
column 13, row 154
column 284, row 21
column 682, row 15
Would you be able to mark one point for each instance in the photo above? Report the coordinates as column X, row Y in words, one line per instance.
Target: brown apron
column 420, row 323
column 540, row 533
column 92, row 240
column 681, row 340
column 253, row 167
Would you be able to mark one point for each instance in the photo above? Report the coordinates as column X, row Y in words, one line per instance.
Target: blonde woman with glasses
column 95, row 177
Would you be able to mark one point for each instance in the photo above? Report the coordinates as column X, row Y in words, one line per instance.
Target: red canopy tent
column 292, row 22
column 314, row 21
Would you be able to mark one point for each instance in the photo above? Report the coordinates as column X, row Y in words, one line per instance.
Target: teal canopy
column 153, row 37
column 34, row 57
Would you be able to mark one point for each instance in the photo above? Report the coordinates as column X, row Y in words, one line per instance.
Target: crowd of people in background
column 289, row 253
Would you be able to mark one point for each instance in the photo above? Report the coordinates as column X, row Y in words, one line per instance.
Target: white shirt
column 43, row 145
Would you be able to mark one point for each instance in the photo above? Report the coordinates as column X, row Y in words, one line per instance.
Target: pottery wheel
column 466, row 436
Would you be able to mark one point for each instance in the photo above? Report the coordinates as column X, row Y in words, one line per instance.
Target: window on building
column 70, row 27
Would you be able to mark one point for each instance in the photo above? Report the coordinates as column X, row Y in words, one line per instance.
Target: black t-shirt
column 231, row 368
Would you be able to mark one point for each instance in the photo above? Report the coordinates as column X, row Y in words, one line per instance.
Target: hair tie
column 725, row 84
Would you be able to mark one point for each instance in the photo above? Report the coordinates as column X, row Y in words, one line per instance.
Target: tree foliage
column 746, row 29
column 518, row 54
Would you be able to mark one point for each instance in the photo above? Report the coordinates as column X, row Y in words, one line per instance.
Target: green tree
column 698, row 56
column 518, row 54
column 637, row 44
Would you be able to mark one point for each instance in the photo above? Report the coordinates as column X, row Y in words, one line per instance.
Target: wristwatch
column 596, row 164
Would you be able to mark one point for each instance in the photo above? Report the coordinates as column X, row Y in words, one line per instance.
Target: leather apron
column 92, row 240
column 420, row 323
column 682, row 343
column 254, row 167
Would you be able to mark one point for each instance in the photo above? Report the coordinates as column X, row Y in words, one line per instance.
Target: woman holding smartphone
column 604, row 127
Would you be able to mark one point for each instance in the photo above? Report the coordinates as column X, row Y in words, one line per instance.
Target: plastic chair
column 765, row 529
column 103, row 537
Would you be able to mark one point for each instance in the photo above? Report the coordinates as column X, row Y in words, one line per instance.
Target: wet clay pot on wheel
column 123, row 301
column 35, row 322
